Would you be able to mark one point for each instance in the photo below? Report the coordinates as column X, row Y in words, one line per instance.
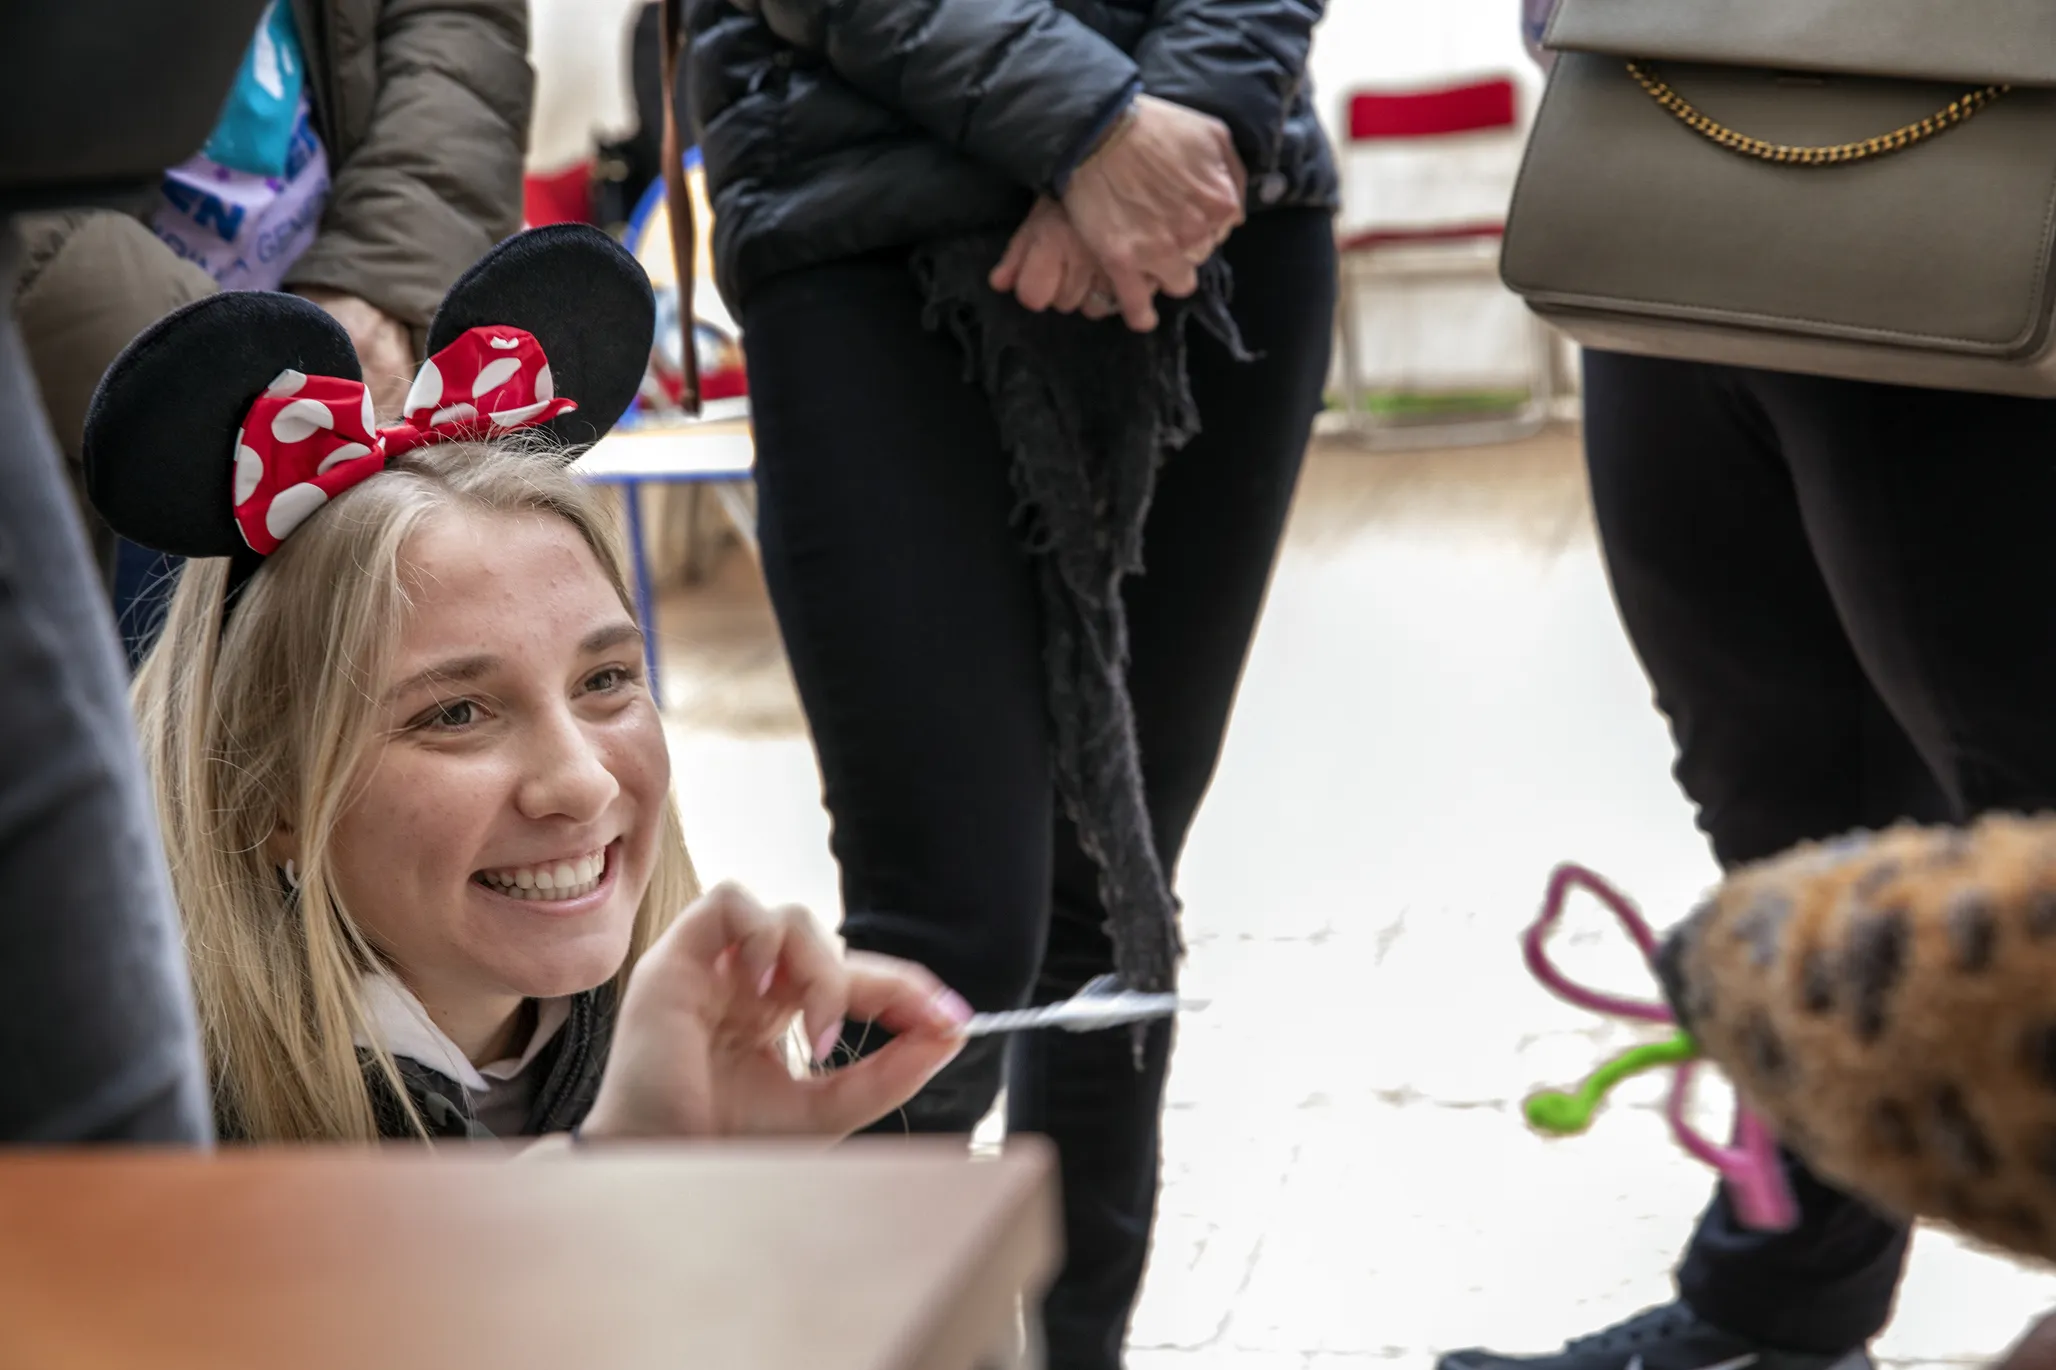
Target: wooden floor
column 1439, row 706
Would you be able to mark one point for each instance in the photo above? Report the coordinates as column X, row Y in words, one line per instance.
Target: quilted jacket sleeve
column 1242, row 61
column 435, row 179
column 1018, row 84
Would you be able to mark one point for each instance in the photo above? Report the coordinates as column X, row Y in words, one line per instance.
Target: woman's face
column 507, row 827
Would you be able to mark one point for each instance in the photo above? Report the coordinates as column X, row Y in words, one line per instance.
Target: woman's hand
column 1048, row 266
column 1155, row 202
column 385, row 349
column 696, row 1050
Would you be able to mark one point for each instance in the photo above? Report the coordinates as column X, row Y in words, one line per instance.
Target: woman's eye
column 458, row 713
column 609, row 679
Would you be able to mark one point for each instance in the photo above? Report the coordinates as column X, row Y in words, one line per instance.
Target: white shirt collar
column 406, row 1030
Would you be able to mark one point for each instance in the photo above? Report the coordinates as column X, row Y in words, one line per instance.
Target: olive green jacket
column 423, row 107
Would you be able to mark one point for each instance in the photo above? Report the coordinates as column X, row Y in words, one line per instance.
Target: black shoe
column 1671, row 1337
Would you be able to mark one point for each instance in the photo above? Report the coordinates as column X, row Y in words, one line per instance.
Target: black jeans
column 909, row 612
column 1841, row 593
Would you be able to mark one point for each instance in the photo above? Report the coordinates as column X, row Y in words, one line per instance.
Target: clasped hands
column 1156, row 199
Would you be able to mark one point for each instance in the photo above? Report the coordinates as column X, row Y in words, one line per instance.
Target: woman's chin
column 566, row 976
column 578, row 957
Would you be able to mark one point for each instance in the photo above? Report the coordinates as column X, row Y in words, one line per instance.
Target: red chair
column 1466, row 249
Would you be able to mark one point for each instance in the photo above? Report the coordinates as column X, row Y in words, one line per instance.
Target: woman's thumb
column 847, row 1100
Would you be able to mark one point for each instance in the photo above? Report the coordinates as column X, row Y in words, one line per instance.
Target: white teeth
column 559, row 880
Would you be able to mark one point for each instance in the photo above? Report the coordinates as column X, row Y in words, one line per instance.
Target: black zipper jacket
column 832, row 130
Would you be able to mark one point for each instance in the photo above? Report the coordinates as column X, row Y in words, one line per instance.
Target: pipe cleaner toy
column 1750, row 1165
column 1885, row 1006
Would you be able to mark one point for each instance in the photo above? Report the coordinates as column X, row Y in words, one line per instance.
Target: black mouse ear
column 161, row 434
column 584, row 298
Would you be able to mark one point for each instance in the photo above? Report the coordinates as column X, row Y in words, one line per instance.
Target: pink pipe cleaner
column 1750, row 1167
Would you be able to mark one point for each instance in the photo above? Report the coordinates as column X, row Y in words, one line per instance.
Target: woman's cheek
column 641, row 761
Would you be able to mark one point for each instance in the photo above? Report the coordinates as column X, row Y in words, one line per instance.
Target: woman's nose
column 567, row 775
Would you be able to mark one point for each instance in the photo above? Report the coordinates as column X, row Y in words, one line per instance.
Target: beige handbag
column 1856, row 188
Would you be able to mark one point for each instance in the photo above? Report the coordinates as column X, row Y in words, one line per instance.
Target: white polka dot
column 291, row 508
column 427, row 391
column 545, row 384
column 456, row 413
column 249, row 472
column 495, row 374
column 301, row 420
column 505, row 344
column 347, row 452
column 286, row 382
column 370, row 414
column 512, row 418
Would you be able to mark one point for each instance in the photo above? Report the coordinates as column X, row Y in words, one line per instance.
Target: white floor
column 1440, row 706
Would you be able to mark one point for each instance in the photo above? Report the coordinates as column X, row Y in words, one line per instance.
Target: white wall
column 1443, row 335
column 1432, row 336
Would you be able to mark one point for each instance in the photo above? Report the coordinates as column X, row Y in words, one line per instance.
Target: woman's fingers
column 1079, row 271
column 845, row 1100
column 782, row 955
column 1041, row 277
column 728, row 921
column 1178, row 279
column 1136, row 297
column 1009, row 269
column 927, row 1021
column 1100, row 301
column 901, row 996
column 812, row 971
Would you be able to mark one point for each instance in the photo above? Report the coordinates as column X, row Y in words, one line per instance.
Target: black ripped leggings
column 910, row 615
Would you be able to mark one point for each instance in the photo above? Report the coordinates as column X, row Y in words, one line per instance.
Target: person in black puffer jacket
column 1016, row 549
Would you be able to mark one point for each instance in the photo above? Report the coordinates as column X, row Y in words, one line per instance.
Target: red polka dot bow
column 309, row 438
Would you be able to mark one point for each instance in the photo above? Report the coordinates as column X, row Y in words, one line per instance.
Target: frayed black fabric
column 1087, row 412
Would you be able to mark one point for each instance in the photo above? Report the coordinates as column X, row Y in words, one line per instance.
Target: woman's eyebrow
column 465, row 669
column 613, row 635
column 458, row 671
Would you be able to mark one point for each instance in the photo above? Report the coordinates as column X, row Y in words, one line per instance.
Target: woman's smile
column 564, row 886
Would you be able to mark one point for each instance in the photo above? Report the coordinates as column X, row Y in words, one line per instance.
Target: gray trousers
column 98, row 1040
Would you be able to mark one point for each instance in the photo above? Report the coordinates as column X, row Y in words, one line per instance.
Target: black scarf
column 1087, row 411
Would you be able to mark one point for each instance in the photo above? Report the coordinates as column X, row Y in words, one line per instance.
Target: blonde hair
column 269, row 717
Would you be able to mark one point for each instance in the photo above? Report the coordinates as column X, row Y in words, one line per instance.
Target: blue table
column 715, row 451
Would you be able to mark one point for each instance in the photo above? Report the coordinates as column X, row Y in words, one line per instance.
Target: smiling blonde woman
column 413, row 785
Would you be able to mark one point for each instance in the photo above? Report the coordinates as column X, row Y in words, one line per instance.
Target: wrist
column 1106, row 131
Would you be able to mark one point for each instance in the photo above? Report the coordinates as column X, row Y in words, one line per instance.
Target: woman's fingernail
column 764, row 985
column 825, row 1048
column 951, row 1005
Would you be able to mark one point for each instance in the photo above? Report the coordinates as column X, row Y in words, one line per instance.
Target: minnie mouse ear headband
column 225, row 424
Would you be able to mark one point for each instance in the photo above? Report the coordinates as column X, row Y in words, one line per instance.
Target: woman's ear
column 282, row 846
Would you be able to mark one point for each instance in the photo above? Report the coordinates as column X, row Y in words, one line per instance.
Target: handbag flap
column 1943, row 247
column 1980, row 42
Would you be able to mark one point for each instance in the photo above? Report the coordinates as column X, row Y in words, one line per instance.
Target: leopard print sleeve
column 1887, row 1003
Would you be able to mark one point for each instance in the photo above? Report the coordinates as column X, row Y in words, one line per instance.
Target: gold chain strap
column 1957, row 111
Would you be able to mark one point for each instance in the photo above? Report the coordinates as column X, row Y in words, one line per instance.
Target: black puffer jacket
column 833, row 128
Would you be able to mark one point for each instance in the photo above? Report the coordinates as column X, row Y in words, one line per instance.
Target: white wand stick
column 1101, row 1004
